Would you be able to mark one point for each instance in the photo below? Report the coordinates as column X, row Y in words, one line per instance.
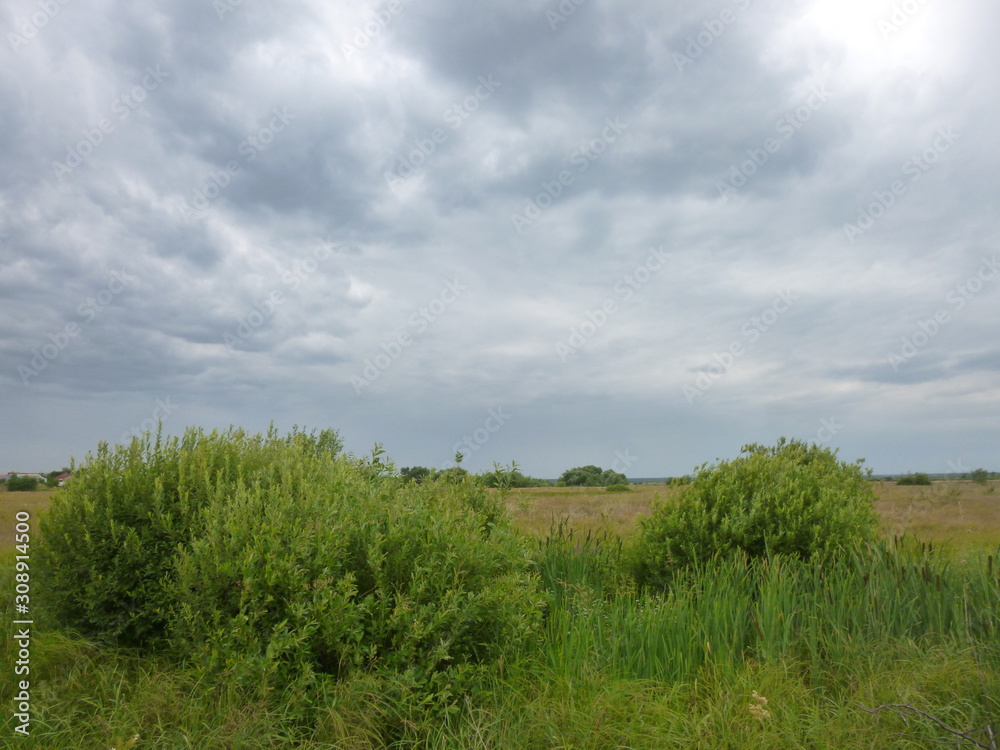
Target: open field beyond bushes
column 961, row 514
column 775, row 654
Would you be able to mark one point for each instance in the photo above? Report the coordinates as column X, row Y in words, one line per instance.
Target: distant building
column 40, row 477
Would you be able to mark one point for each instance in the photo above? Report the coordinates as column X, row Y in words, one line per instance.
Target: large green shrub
column 430, row 581
column 789, row 499
column 107, row 547
column 273, row 559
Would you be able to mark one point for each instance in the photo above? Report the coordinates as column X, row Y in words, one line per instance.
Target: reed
column 728, row 611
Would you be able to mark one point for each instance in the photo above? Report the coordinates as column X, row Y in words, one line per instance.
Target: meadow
column 959, row 514
column 774, row 653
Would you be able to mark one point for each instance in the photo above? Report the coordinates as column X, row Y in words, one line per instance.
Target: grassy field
column 740, row 658
column 960, row 514
column 585, row 508
column 35, row 503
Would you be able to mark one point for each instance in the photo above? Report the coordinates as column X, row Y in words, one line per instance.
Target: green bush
column 273, row 560
column 415, row 473
column 510, row 477
column 788, row 499
column 108, row 544
column 618, row 487
column 429, row 581
column 21, row 483
column 914, row 479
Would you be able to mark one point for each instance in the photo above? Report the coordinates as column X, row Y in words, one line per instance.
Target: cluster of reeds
column 731, row 609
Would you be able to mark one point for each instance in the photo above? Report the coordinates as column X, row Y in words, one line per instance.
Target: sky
column 637, row 234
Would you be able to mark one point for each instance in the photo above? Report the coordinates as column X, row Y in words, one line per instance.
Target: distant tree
column 21, row 483
column 914, row 479
column 980, row 476
column 415, row 473
column 590, row 476
column 581, row 476
column 609, row 477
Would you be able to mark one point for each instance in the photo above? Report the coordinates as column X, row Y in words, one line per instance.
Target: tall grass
column 734, row 609
column 616, row 667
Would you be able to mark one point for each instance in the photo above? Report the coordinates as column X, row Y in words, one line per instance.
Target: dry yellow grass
column 585, row 508
column 12, row 503
column 962, row 514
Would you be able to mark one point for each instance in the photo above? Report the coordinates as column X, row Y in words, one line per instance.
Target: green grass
column 102, row 699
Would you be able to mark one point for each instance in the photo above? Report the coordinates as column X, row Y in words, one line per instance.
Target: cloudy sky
column 638, row 234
